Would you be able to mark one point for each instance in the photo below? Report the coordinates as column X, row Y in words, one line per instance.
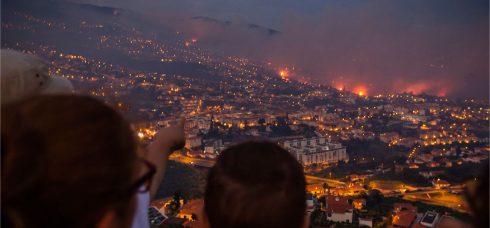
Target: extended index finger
column 181, row 121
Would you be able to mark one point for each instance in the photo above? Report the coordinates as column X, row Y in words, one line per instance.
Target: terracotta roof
column 450, row 222
column 404, row 207
column 193, row 206
column 159, row 203
column 337, row 204
column 404, row 218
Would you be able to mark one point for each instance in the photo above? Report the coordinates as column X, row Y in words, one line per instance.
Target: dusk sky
column 439, row 47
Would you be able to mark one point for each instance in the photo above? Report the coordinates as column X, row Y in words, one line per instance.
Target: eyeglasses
column 143, row 184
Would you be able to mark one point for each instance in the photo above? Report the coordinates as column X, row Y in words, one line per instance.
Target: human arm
column 167, row 140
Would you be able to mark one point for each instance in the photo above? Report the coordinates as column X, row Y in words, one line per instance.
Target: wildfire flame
column 284, row 74
column 339, row 87
column 434, row 88
column 416, row 88
column 360, row 90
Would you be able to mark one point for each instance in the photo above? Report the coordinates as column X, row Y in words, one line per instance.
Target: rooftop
column 404, row 218
column 450, row 222
column 192, row 207
column 404, row 207
column 430, row 217
column 337, row 204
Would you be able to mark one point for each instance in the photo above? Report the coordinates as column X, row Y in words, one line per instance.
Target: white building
column 213, row 149
column 192, row 105
column 367, row 222
column 318, row 150
column 338, row 209
column 193, row 141
column 199, row 123
column 204, row 123
column 430, row 219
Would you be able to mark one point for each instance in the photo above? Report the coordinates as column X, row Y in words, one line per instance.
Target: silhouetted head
column 255, row 184
column 477, row 197
column 67, row 161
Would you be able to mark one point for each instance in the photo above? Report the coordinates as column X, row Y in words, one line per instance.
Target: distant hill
column 118, row 20
column 253, row 27
column 113, row 22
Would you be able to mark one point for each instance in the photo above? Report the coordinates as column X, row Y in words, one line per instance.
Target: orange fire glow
column 441, row 94
column 360, row 90
column 284, row 74
column 431, row 87
column 339, row 87
column 417, row 88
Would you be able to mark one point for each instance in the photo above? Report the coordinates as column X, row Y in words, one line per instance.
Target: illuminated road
column 331, row 182
column 429, row 195
column 206, row 163
column 439, row 198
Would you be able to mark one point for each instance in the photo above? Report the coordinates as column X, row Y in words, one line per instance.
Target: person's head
column 477, row 197
column 67, row 161
column 23, row 75
column 255, row 184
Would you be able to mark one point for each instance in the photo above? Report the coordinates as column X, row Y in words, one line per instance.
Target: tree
column 374, row 198
column 176, row 200
column 363, row 195
column 281, row 121
column 194, row 217
column 261, row 121
column 458, row 151
column 245, row 123
column 317, row 218
column 341, row 164
column 326, row 187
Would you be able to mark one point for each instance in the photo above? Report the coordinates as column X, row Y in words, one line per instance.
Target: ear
column 109, row 220
column 202, row 219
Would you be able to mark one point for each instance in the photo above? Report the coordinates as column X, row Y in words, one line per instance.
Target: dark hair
column 65, row 159
column 256, row 184
column 478, row 198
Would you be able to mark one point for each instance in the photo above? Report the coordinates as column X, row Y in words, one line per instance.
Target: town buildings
column 318, row 150
column 338, row 209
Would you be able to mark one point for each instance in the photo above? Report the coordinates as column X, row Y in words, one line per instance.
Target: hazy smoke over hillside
column 438, row 47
